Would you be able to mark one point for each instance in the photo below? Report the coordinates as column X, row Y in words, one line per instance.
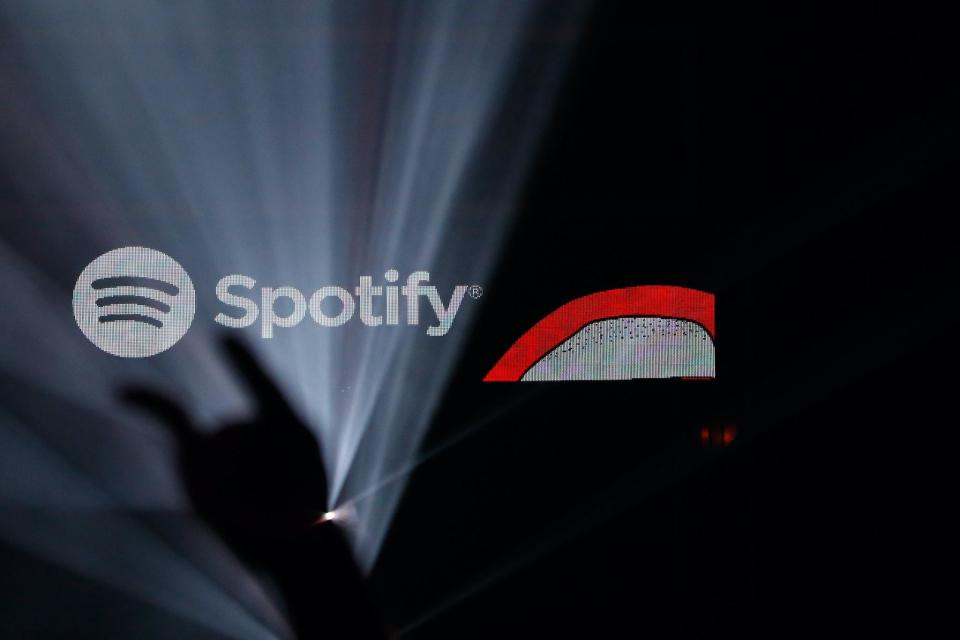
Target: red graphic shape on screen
column 653, row 331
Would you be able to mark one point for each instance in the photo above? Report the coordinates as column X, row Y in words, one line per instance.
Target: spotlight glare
column 329, row 516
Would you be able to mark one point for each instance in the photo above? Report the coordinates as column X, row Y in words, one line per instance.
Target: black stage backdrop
column 801, row 164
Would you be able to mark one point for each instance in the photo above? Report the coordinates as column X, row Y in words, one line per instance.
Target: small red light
column 729, row 433
column 718, row 435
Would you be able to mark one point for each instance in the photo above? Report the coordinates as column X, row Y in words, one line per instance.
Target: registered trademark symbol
column 475, row 291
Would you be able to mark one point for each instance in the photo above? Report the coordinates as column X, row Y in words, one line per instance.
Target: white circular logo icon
column 134, row 302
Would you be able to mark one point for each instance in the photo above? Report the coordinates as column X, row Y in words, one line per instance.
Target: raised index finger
column 268, row 395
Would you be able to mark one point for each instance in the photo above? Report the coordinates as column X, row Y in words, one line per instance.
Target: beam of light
column 49, row 509
column 301, row 144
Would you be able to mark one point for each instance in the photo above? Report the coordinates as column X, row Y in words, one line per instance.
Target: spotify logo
column 134, row 302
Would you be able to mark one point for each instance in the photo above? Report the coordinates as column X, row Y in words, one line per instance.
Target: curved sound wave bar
column 135, row 281
column 136, row 317
column 141, row 300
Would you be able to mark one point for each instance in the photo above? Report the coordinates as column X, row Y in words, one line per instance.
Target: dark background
column 801, row 165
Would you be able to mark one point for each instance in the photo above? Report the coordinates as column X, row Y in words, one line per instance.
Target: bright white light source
column 344, row 515
column 329, row 516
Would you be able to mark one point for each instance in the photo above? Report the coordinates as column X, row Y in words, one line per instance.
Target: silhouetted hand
column 259, row 483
